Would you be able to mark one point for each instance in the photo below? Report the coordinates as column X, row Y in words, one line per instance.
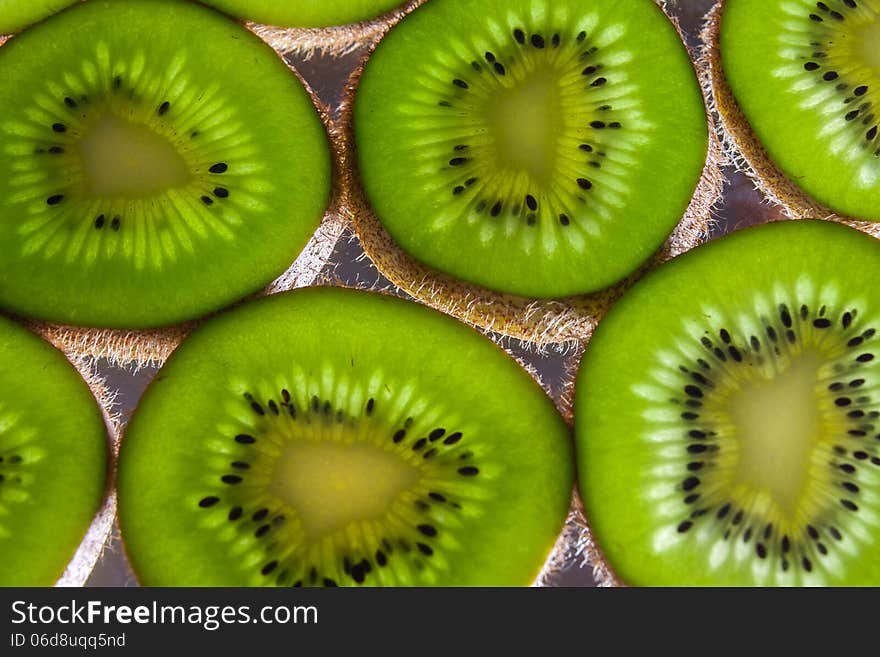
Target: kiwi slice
column 147, row 181
column 536, row 149
column 798, row 87
column 53, row 459
column 316, row 438
column 727, row 414
column 301, row 13
column 16, row 14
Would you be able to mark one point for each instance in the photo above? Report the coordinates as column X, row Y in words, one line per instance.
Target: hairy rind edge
column 97, row 536
column 742, row 146
column 575, row 548
column 539, row 321
column 151, row 347
column 334, row 41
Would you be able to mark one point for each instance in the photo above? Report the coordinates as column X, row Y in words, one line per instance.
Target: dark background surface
column 741, row 205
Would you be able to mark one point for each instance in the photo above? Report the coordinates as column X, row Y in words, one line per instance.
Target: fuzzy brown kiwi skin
column 742, row 146
column 99, row 532
column 334, row 41
column 139, row 348
column 576, row 547
column 540, row 321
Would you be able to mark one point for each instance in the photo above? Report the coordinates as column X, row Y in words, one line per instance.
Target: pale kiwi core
column 778, row 425
column 331, row 484
column 775, row 423
column 120, row 157
column 868, row 40
column 524, row 121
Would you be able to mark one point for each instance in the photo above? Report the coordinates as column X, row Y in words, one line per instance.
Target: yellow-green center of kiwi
column 332, row 484
column 778, row 425
column 524, row 122
column 121, row 157
column 867, row 38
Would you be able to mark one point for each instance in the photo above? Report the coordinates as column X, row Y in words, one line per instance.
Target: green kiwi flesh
column 53, row 459
column 305, row 13
column 807, row 77
column 159, row 162
column 16, row 14
column 728, row 414
column 317, row 438
column 542, row 149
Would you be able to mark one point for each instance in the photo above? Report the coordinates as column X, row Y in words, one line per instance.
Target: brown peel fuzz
column 577, row 547
column 742, row 146
column 335, row 41
column 583, row 549
column 97, row 536
column 331, row 41
column 151, row 347
column 540, row 321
